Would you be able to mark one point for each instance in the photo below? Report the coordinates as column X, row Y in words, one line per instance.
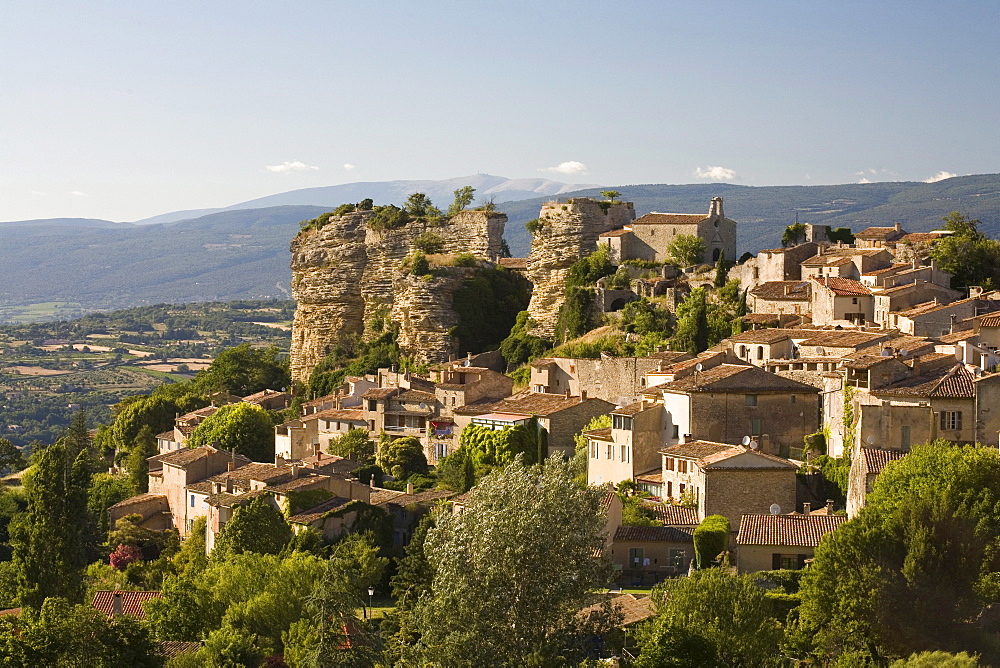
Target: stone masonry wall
column 569, row 232
column 345, row 274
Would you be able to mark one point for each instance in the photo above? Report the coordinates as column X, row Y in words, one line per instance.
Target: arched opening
column 618, row 304
column 715, row 255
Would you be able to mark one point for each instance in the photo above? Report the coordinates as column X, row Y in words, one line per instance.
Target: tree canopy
column 511, row 571
column 402, row 457
column 242, row 427
column 245, row 370
column 687, row 249
column 255, row 527
column 968, row 254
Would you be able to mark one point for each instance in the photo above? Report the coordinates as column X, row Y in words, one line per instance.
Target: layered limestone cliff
column 344, row 274
column 568, row 232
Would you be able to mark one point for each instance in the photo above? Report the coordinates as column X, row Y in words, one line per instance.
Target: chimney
column 279, row 460
column 116, row 604
column 567, row 393
column 915, row 263
column 583, row 393
column 806, row 508
column 409, row 488
column 229, row 485
column 686, row 438
column 372, row 483
column 229, row 466
column 788, row 289
column 896, row 227
column 295, row 471
column 316, row 450
column 829, row 506
column 820, row 250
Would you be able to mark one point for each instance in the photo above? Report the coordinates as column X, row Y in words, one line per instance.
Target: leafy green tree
column 419, row 206
column 581, row 455
column 916, row 565
column 644, row 317
column 692, row 333
column 487, row 304
column 937, row 660
column 972, row 258
column 457, row 471
column 687, row 249
column 711, row 538
column 587, row 270
column 355, row 445
column 191, row 559
column 611, row 195
column 793, row 234
column 498, row 447
column 255, row 527
column 143, row 448
column 428, row 242
column 505, row 590
column 156, row 413
column 185, row 612
column 11, row 458
column 577, row 315
column 402, row 457
column 713, row 609
column 244, row 370
column 244, row 428
column 75, row 635
column 521, row 346
column 49, row 537
column 106, row 490
column 463, row 198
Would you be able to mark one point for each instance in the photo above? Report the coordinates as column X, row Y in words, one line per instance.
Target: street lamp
column 371, row 592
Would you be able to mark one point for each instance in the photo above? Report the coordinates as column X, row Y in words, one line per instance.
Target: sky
column 126, row 110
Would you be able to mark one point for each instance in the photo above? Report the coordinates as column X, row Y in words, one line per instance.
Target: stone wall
column 568, row 232
column 345, row 274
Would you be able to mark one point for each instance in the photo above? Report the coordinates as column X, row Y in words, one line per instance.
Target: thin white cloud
column 568, row 167
column 865, row 180
column 940, row 176
column 349, row 167
column 715, row 173
column 286, row 167
column 79, row 194
column 38, row 193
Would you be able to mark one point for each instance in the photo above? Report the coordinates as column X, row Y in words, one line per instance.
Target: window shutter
column 802, row 560
column 775, row 562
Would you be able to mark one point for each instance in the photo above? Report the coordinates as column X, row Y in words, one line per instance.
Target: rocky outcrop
column 345, row 274
column 568, row 232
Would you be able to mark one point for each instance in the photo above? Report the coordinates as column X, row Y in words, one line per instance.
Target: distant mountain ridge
column 243, row 253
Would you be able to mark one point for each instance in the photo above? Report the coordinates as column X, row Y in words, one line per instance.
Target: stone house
column 781, row 297
column 987, row 328
column 987, row 390
column 893, row 301
column 614, row 379
column 759, row 346
column 883, row 278
column 332, row 518
column 937, row 318
column 866, row 465
column 845, row 262
column 774, row 265
column 914, row 272
column 152, row 508
column 879, row 237
column 917, row 245
column 650, row 236
column 644, row 556
column 768, row 542
column 728, row 402
column 729, row 480
column 300, row 438
column 270, row 400
column 841, row 301
column 629, row 447
column 559, row 417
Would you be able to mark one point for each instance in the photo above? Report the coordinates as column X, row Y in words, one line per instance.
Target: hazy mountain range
column 242, row 251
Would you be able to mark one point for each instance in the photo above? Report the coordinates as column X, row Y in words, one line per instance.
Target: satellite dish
column 903, row 352
column 746, row 440
column 887, row 352
column 775, row 509
column 820, row 351
column 871, row 440
column 423, row 406
column 754, row 445
column 467, row 362
column 698, row 367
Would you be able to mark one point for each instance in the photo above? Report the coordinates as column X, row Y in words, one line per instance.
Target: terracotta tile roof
column 786, row 530
column 843, row 286
column 672, row 515
column 224, row 499
column 203, row 487
column 380, row 496
column 329, row 398
column 874, row 459
column 954, row 383
column 172, row 648
column 707, row 453
column 198, row 413
column 316, row 512
column 762, row 336
column 876, row 233
column 166, row 436
column 539, row 403
column 131, row 602
column 990, row 321
column 955, row 337
column 427, row 496
column 338, row 414
column 653, row 476
column 632, row 409
column 416, row 395
column 931, row 307
column 762, row 318
column 653, row 534
column 669, row 356
column 655, row 218
column 827, row 260
column 921, row 237
column 837, row 338
column 783, row 290
column 602, row 434
column 543, row 362
column 186, row 456
column 306, row 479
column 139, row 498
column 380, row 392
column 265, row 394
column 514, row 262
column 634, row 608
column 616, row 233
column 887, row 270
column 867, row 361
column 735, row 378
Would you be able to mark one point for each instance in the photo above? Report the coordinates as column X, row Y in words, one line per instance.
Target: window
column 760, row 352
column 621, row 422
column 611, row 451
column 854, row 300
column 372, row 405
column 788, row 561
column 442, row 450
column 680, row 489
column 751, row 400
column 682, row 467
column 668, row 463
column 192, row 500
column 951, row 420
column 635, row 557
column 670, row 489
column 755, row 427
column 794, row 399
column 677, row 431
column 904, row 436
